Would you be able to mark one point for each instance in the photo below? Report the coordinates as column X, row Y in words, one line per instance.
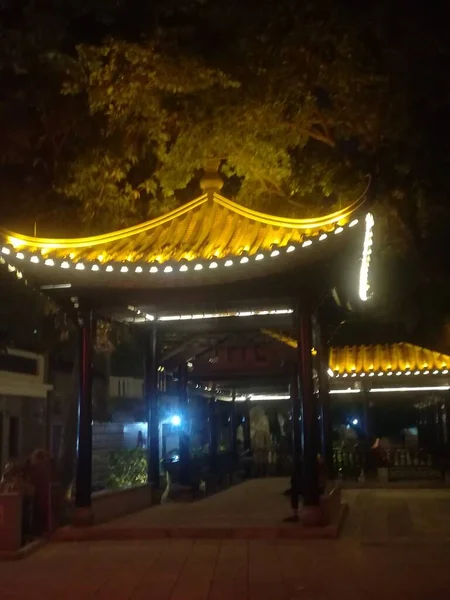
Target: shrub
column 127, row 468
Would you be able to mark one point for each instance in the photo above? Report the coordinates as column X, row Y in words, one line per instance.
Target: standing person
column 261, row 441
column 140, row 440
column 296, row 490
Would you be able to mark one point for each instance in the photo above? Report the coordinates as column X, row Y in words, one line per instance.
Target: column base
column 294, row 518
column 83, row 517
column 313, row 516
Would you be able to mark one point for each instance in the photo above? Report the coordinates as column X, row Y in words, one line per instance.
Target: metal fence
column 400, row 463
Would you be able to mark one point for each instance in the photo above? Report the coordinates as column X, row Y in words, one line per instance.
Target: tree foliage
column 267, row 91
column 109, row 109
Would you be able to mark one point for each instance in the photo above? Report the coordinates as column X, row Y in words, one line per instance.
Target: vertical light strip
column 365, row 261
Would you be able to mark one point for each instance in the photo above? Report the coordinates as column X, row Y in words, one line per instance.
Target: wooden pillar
column 83, row 477
column 233, row 432
column 446, row 433
column 152, row 404
column 311, row 512
column 326, row 423
column 366, row 415
column 213, row 450
column 446, row 421
column 246, row 428
column 183, row 402
column 297, row 437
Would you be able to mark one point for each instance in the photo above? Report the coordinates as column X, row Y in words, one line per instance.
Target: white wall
column 126, row 387
column 22, row 397
column 22, row 384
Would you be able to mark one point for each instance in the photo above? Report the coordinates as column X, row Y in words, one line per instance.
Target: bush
column 127, row 468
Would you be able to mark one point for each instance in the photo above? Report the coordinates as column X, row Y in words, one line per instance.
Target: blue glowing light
column 355, row 422
column 175, row 420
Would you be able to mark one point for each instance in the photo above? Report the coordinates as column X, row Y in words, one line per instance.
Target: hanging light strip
column 261, row 397
column 170, row 267
column 256, row 397
column 201, row 316
column 249, row 313
column 406, row 373
column 429, row 388
column 346, row 391
column 365, row 261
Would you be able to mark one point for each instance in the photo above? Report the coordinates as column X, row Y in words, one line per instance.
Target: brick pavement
column 228, row 569
column 356, row 566
column 253, row 509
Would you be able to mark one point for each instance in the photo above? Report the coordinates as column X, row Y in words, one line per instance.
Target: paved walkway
column 254, row 502
column 360, row 565
column 399, row 516
column 254, row 509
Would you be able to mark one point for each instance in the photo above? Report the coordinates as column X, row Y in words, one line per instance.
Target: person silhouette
column 140, row 440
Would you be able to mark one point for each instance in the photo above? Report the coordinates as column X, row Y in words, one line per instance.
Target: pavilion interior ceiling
column 257, row 359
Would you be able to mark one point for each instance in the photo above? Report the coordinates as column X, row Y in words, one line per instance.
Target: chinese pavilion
column 210, row 265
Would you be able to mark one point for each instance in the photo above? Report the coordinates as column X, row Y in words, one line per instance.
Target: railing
column 201, row 475
column 402, row 463
column 348, row 464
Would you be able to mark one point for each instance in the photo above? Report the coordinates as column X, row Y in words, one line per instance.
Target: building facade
column 23, row 404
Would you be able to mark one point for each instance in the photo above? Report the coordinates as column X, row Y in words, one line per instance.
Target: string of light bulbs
column 169, row 267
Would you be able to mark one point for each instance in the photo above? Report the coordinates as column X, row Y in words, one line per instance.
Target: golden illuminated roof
column 386, row 358
column 402, row 358
column 210, row 227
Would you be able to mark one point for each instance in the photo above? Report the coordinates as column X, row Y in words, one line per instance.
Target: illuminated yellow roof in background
column 401, row 358
column 206, row 228
column 394, row 358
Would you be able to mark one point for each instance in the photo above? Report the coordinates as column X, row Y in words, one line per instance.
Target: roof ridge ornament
column 211, row 181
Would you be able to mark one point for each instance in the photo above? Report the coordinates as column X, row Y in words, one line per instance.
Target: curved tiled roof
column 207, row 228
column 402, row 358
column 393, row 358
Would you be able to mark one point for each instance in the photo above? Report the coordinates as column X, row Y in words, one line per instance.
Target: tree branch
column 319, row 136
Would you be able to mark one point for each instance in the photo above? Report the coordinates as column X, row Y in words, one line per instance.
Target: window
column 122, row 388
column 18, row 364
column 13, row 438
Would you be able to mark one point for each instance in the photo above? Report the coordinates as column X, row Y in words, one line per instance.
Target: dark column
column 233, row 433
column 309, row 415
column 83, row 504
column 246, row 428
column 439, row 423
column 213, row 458
column 446, row 433
column 326, row 423
column 152, row 403
column 183, row 402
column 297, row 444
column 445, row 421
column 366, row 415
